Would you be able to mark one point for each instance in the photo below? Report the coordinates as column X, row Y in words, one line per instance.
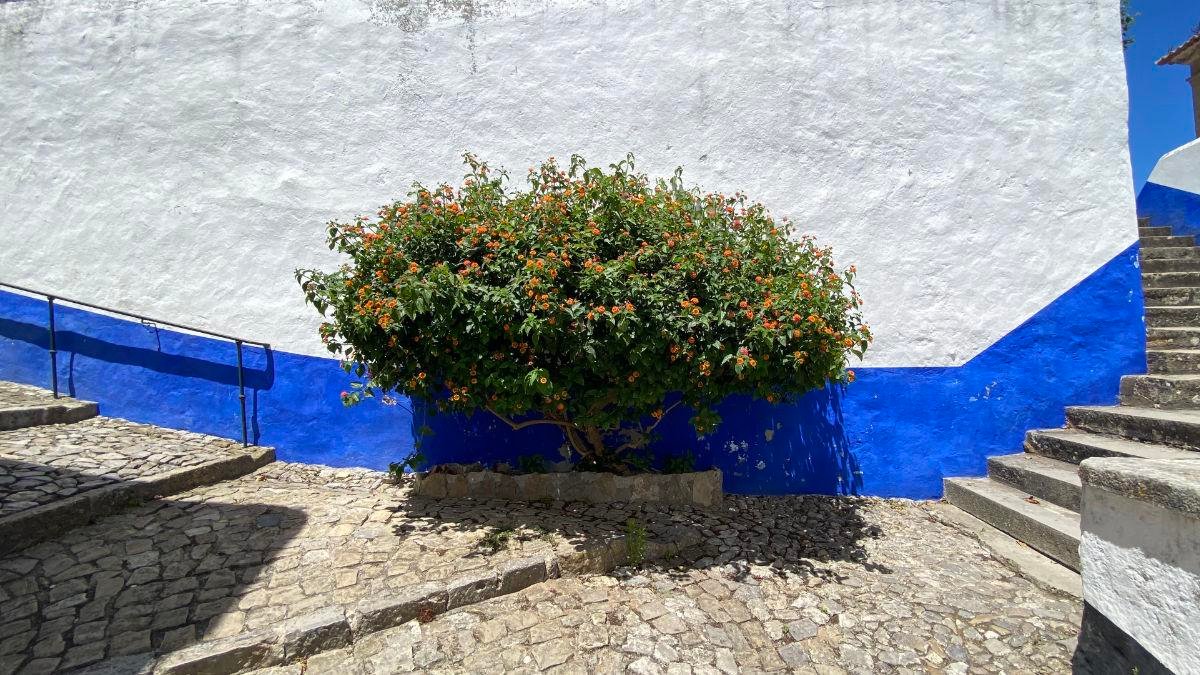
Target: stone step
column 1149, row 231
column 1173, row 361
column 1049, row 479
column 1182, row 316
column 1161, row 391
column 1046, row 527
column 1183, row 265
column 1169, row 279
column 53, row 411
column 1073, row 446
column 1171, row 297
column 1171, row 252
column 1179, row 428
column 1170, row 240
column 1182, row 337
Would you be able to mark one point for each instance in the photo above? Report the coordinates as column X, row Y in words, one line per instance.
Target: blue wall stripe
column 1164, row 205
column 894, row 432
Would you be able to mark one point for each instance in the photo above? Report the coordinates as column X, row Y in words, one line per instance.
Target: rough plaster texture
column 179, row 158
column 1141, row 569
column 1180, row 168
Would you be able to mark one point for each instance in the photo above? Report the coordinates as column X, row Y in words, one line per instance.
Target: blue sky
column 1160, row 103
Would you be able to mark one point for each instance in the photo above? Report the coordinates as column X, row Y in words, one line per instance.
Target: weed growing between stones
column 496, row 540
column 635, row 541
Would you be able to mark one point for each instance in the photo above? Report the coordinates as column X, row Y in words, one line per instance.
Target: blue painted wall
column 1170, row 206
column 895, row 432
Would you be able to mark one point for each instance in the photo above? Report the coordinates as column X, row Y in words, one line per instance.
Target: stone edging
column 61, row 411
column 696, row 488
column 25, row 528
column 336, row 626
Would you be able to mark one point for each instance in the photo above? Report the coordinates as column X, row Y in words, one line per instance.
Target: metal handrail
column 51, row 299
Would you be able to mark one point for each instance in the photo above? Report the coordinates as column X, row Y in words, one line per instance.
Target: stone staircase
column 62, row 465
column 1034, row 496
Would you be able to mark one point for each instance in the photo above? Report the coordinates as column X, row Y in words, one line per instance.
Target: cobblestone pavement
column 864, row 585
column 243, row 554
column 41, row 464
column 15, row 395
column 873, row 586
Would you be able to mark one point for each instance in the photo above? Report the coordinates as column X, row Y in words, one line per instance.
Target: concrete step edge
column 1045, row 572
column 1043, row 477
column 1184, row 378
column 61, row 411
column 338, row 626
column 1050, row 529
column 1099, row 445
column 26, row 528
column 1177, row 428
column 1167, row 240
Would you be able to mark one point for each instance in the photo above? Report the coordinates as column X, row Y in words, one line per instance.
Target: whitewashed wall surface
column 180, row 157
column 1179, row 169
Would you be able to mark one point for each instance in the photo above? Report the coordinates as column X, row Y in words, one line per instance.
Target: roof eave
column 1185, row 54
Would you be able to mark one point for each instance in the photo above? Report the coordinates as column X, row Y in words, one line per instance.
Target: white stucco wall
column 1141, row 569
column 1180, row 168
column 180, row 158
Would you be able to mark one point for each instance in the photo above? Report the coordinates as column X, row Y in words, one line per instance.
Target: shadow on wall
column 896, row 431
column 143, row 373
column 91, row 347
column 761, row 448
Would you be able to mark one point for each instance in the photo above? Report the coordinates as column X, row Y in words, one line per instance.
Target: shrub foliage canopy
column 595, row 301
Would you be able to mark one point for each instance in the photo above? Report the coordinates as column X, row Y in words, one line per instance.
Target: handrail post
column 242, row 393
column 53, row 351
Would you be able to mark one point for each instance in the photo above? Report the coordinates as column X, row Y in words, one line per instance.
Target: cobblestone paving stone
column 18, row 395
column 218, row 560
column 811, row 585
column 39, row 465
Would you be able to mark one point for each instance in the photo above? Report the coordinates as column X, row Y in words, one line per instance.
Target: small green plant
column 532, row 463
column 496, row 540
column 635, row 541
column 410, row 463
column 685, row 463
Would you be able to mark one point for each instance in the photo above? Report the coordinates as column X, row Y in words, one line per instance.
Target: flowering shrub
column 593, row 301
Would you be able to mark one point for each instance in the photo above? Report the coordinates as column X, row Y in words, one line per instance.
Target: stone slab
column 26, row 528
column 1040, row 569
column 700, row 488
column 26, row 406
column 1172, row 484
